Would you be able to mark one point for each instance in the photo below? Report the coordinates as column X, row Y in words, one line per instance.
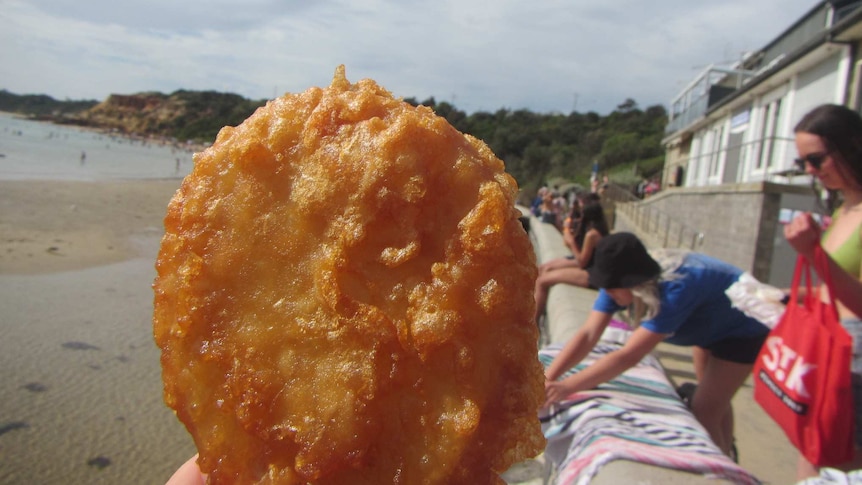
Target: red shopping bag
column 802, row 374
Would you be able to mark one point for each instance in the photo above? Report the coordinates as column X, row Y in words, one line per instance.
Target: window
column 770, row 123
column 715, row 154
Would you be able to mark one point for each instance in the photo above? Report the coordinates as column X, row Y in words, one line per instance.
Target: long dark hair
column 841, row 130
column 592, row 217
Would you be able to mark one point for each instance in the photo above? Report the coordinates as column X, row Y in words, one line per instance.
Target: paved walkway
column 763, row 449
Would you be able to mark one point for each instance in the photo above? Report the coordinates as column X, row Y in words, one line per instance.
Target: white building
column 735, row 124
column 729, row 179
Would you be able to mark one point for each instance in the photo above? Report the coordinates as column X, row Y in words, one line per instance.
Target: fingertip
column 188, row 474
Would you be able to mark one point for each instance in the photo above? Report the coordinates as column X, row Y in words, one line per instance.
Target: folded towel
column 638, row 417
column 831, row 476
column 758, row 300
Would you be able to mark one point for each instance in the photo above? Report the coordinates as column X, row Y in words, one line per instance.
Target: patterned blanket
column 638, row 417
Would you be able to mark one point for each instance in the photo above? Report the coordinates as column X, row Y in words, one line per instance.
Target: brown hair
column 592, row 217
column 841, row 130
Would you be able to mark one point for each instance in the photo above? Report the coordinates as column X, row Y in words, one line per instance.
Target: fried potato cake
column 344, row 295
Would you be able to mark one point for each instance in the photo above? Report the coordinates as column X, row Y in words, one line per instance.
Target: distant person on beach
column 680, row 301
column 582, row 238
column 83, row 158
column 829, row 144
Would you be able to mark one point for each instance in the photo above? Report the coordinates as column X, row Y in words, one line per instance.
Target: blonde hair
column 646, row 303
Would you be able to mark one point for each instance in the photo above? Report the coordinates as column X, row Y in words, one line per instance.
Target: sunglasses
column 813, row 159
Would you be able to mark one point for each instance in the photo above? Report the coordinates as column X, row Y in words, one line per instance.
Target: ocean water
column 32, row 150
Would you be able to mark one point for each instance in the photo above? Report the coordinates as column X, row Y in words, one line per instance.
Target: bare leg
column 711, row 404
column 699, row 355
column 558, row 263
column 804, row 469
column 571, row 276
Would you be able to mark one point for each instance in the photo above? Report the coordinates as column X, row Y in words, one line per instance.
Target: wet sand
column 79, row 371
column 50, row 226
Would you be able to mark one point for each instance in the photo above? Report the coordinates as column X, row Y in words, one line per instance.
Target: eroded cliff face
column 182, row 115
column 144, row 113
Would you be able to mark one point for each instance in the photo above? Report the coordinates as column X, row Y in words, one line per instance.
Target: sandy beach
column 80, row 374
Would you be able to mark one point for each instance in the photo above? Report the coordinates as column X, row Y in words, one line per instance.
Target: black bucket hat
column 621, row 261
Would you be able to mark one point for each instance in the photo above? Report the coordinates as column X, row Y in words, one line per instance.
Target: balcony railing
column 661, row 228
column 763, row 159
column 695, row 111
column 711, row 86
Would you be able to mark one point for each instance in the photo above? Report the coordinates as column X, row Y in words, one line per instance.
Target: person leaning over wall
column 829, row 144
column 679, row 299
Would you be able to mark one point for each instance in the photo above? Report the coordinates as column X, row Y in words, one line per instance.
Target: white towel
column 758, row 300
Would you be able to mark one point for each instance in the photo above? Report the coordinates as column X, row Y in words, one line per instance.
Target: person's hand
column 188, row 474
column 556, row 391
column 803, row 234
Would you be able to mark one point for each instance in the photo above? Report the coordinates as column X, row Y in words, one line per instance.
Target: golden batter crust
column 344, row 295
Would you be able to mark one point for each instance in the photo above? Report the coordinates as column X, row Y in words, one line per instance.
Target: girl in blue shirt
column 682, row 302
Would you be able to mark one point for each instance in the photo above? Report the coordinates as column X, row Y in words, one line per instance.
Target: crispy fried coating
column 344, row 296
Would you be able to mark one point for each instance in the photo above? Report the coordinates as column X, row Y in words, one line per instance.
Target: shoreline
column 188, row 146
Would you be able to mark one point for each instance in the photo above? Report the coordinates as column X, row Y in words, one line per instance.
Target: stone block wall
column 739, row 223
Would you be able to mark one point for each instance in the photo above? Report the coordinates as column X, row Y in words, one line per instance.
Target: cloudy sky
column 543, row 55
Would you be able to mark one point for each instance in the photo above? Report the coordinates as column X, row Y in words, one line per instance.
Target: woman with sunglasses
column 829, row 143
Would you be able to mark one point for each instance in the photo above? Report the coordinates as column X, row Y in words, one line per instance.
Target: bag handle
column 821, row 266
column 801, row 263
column 812, row 300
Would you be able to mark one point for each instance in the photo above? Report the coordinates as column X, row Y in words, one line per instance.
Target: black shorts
column 742, row 350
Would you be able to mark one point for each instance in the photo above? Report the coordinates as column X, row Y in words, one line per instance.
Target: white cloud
column 544, row 55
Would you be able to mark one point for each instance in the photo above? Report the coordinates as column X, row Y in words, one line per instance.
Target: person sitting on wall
column 536, row 207
column 548, row 211
column 571, row 224
column 582, row 240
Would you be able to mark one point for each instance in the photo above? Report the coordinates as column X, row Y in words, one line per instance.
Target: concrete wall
column 739, row 223
column 567, row 309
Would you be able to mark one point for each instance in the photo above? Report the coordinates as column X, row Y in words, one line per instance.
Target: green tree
column 533, row 146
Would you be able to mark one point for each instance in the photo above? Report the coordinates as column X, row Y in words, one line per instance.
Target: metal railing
column 660, row 227
column 667, row 231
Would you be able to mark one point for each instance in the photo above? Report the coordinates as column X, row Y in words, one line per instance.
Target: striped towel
column 638, row 417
